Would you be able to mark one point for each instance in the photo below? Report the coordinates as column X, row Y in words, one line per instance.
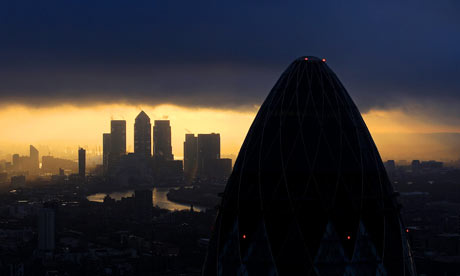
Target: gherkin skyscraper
column 308, row 194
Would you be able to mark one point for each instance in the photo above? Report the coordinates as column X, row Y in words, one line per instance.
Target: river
column 159, row 199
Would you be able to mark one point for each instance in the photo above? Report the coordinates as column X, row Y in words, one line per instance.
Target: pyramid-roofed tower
column 143, row 135
column 142, row 116
column 309, row 194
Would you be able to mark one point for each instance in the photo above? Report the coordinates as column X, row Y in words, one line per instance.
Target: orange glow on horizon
column 66, row 127
column 60, row 130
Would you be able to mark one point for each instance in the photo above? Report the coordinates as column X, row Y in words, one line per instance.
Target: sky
column 68, row 67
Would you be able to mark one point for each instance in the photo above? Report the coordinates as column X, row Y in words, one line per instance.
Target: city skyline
column 397, row 136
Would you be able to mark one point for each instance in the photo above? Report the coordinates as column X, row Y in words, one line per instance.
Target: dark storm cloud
column 226, row 54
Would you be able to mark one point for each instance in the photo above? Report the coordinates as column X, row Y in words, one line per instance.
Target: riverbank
column 159, row 197
column 204, row 196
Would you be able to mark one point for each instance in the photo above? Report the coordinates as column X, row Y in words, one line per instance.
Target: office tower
column 117, row 141
column 208, row 147
column 143, row 203
column 308, row 194
column 142, row 135
column 81, row 162
column 105, row 151
column 34, row 160
column 46, row 228
column 202, row 157
column 162, row 140
column 16, row 162
column 190, row 156
column 218, row 168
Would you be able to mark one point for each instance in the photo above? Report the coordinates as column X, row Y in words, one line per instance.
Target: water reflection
column 159, row 199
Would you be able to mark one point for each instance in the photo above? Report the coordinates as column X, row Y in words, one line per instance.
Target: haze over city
column 60, row 130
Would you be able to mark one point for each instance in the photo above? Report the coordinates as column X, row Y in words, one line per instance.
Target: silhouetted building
column 34, row 160
column 208, row 150
column 27, row 164
column 162, row 140
column 142, row 135
column 82, row 162
column 202, row 157
column 208, row 146
column 132, row 171
column 190, row 156
column 143, row 204
column 217, row 168
column 16, row 162
column 46, row 228
column 106, row 145
column 117, row 141
column 308, row 194
column 168, row 172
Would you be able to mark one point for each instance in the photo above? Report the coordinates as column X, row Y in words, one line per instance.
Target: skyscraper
column 202, row 157
column 105, row 151
column 308, row 194
column 208, row 147
column 81, row 162
column 142, row 135
column 16, row 162
column 162, row 149
column 34, row 160
column 117, row 141
column 190, row 156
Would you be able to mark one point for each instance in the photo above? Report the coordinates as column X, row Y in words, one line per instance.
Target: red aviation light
column 306, row 58
column 407, row 230
column 324, row 60
column 348, row 237
column 244, row 236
